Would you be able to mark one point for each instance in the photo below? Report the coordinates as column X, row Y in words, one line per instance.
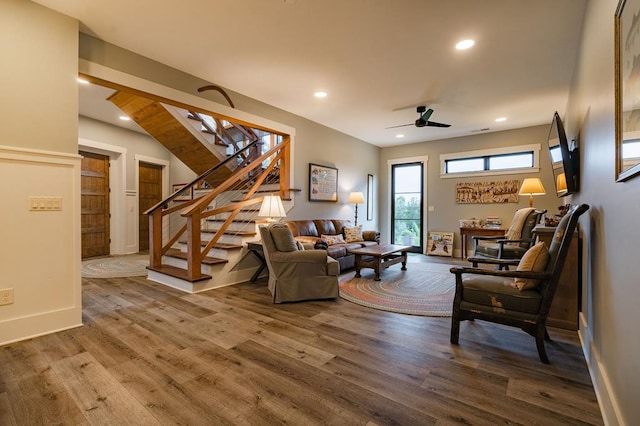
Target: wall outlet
column 6, row 296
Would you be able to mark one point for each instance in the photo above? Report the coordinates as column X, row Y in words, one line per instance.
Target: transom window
column 508, row 160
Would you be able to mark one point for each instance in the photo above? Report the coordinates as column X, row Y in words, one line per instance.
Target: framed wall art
column 369, row 197
column 505, row 191
column 323, row 183
column 627, row 84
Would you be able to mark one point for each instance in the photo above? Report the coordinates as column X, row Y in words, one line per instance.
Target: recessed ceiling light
column 124, row 118
column 499, row 119
column 400, row 136
column 465, row 44
column 320, row 94
column 82, row 81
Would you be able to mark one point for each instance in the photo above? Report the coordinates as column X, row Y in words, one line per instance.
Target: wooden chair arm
column 459, row 270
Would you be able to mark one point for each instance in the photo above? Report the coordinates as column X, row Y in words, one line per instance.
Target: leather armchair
column 492, row 295
column 294, row 273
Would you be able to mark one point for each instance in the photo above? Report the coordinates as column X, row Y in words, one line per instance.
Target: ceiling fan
column 423, row 120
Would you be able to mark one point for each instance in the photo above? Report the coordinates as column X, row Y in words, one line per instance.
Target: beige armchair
column 294, row 273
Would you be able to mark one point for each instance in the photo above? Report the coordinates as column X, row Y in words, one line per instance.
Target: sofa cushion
column 282, row 237
column 304, row 239
column 333, row 239
column 336, row 251
column 534, row 260
column 325, row 226
column 498, row 294
column 353, row 234
column 303, row 228
column 340, row 224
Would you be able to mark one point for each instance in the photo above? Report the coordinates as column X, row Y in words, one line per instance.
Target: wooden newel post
column 194, row 270
column 155, row 239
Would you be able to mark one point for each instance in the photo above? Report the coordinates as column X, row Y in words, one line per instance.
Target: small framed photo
column 185, row 195
column 440, row 243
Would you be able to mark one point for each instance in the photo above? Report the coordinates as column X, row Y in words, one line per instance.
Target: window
column 508, row 160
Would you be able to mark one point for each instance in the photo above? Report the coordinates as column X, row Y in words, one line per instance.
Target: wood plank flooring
column 148, row 354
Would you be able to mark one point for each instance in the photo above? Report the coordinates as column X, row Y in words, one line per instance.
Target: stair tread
column 221, row 246
column 208, row 260
column 242, row 233
column 177, row 273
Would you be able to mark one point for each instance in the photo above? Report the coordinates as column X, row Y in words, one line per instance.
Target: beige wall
column 40, row 251
column 611, row 290
column 440, row 192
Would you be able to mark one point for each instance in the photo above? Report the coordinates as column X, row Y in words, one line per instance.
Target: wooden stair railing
column 197, row 209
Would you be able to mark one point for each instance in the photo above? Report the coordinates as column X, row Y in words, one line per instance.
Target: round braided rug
column 423, row 289
column 115, row 267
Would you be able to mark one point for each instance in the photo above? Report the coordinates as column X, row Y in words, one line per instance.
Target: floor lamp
column 356, row 198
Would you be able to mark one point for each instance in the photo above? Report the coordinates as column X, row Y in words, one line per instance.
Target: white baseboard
column 607, row 400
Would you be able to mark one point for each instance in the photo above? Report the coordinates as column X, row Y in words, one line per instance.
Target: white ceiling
column 377, row 59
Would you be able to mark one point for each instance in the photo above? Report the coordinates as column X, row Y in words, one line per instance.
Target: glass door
column 406, row 205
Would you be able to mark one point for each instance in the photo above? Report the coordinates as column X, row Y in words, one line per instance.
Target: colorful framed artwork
column 323, row 183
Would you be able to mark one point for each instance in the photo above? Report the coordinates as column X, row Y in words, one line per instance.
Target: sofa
column 310, row 232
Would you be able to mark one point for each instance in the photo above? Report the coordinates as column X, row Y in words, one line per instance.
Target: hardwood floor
column 148, row 354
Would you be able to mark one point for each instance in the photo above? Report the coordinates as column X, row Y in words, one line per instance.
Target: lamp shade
column 531, row 187
column 272, row 207
column 356, row 198
column 561, row 183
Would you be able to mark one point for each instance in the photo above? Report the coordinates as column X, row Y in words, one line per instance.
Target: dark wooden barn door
column 149, row 194
column 94, row 200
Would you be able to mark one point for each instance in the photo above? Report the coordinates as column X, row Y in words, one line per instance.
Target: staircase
column 200, row 244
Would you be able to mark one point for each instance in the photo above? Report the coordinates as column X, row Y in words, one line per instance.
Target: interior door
column 94, row 201
column 149, row 194
column 406, row 205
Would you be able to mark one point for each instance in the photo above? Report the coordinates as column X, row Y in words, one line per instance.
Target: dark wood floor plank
column 149, row 354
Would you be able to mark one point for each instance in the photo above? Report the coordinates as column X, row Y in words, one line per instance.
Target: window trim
column 535, row 148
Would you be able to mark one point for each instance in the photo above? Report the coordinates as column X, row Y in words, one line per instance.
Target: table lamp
column 272, row 208
column 356, row 198
column 531, row 187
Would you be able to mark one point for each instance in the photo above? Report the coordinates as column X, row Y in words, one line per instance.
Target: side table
column 481, row 232
column 255, row 247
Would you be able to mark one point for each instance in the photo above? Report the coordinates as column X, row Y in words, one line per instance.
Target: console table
column 566, row 302
column 481, row 232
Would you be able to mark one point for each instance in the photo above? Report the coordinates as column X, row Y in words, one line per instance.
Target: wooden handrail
column 195, row 210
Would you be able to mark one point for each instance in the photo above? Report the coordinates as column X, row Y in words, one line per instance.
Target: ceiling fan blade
column 426, row 115
column 434, row 124
column 402, row 125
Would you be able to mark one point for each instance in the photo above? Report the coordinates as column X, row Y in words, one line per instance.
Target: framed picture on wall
column 323, row 183
column 369, row 197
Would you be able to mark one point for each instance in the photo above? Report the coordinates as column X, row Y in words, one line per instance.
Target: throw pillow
column 333, row 239
column 282, row 237
column 353, row 234
column 534, row 260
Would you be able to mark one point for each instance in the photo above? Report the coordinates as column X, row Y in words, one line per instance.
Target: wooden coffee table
column 380, row 257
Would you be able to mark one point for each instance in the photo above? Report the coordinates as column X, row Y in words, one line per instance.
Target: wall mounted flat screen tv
column 564, row 159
